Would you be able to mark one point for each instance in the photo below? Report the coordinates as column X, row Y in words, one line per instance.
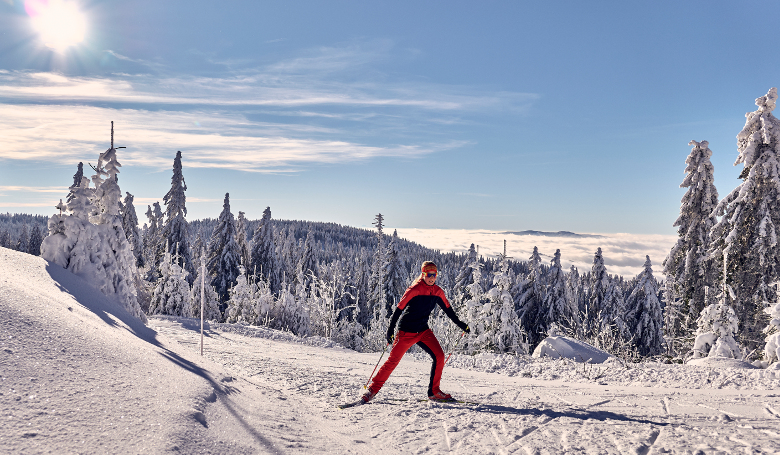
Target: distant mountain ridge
column 553, row 234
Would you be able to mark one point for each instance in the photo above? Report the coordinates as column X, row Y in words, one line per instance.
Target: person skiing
column 413, row 311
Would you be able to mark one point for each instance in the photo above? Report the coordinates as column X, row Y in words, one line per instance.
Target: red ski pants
column 403, row 341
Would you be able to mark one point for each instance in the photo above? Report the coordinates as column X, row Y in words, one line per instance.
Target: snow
column 569, row 348
column 78, row 374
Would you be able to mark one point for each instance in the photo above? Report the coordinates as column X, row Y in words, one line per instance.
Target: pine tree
column 715, row 336
column 241, row 239
column 306, row 269
column 153, row 246
column 36, row 239
column 599, row 282
column 557, row 307
column 172, row 294
column 223, row 253
column 241, row 305
column 264, row 259
column 529, row 295
column 23, row 242
column 130, row 226
column 377, row 301
column 175, row 230
column 210, row 298
column 746, row 233
column 5, row 239
column 395, row 282
column 507, row 333
column 688, row 267
column 614, row 314
column 645, row 312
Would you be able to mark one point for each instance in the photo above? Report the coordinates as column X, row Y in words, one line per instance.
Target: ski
column 451, row 400
column 349, row 405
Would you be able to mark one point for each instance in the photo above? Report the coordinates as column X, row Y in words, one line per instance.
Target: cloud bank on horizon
column 624, row 254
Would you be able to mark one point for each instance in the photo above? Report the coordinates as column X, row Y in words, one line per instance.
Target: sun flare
column 59, row 23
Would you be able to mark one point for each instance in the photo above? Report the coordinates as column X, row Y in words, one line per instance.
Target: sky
column 550, row 116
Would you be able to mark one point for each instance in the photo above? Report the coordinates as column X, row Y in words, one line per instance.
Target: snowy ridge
column 553, row 234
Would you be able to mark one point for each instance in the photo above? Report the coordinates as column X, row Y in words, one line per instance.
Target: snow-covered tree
column 688, row 266
column 36, row 239
column 557, row 307
column 506, row 332
column 599, row 282
column 394, row 273
column 614, row 313
column 240, row 305
column 153, row 243
column 772, row 331
column 263, row 253
column 241, row 240
column 5, row 238
column 210, row 298
column 172, row 293
column 130, row 226
column 377, row 301
column 717, row 326
column 307, row 263
column 529, row 297
column 98, row 252
column 175, row 230
column 23, row 242
column 746, row 231
column 223, row 252
column 645, row 312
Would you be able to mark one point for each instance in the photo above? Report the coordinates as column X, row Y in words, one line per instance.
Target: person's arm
column 447, row 308
column 393, row 322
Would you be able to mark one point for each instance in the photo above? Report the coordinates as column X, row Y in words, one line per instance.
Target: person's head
column 429, row 273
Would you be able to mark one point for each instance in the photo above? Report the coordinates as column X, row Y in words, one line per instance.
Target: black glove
column 465, row 327
column 390, row 337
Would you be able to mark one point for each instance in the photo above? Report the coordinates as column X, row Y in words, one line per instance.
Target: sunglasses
column 430, row 275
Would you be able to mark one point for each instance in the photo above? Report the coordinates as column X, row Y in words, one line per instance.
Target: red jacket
column 416, row 306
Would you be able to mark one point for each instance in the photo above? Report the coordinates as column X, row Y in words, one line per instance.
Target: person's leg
column 403, row 341
column 430, row 344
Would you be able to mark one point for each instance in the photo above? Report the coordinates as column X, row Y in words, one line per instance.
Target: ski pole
column 453, row 348
column 377, row 364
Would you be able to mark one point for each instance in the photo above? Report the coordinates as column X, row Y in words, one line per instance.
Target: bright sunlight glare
column 60, row 24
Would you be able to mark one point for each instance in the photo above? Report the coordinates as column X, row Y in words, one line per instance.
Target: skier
column 413, row 311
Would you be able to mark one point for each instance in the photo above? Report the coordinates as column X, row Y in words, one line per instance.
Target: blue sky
column 463, row 115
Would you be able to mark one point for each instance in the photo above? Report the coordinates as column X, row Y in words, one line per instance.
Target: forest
column 718, row 298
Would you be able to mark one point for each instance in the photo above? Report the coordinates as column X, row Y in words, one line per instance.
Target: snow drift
column 569, row 348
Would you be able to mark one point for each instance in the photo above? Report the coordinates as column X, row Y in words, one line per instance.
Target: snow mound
column 721, row 362
column 569, row 348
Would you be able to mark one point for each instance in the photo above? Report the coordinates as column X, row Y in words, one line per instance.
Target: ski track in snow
column 79, row 375
column 516, row 415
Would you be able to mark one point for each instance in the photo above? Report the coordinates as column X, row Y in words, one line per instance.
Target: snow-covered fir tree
column 529, row 297
column 394, row 273
column 36, row 238
column 203, row 290
column 23, row 242
column 153, row 243
column 223, row 255
column 377, row 300
column 5, row 238
column 172, row 293
column 306, row 269
column 772, row 331
column 614, row 316
column 644, row 312
column 240, row 305
column 688, row 267
column 175, row 229
column 558, row 309
column 130, row 226
column 746, row 232
column 599, row 282
column 506, row 332
column 717, row 326
column 98, row 252
column 241, row 240
column 264, row 261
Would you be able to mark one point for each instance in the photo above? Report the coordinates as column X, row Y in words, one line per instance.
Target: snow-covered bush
column 772, row 347
column 717, row 326
column 172, row 294
column 240, row 305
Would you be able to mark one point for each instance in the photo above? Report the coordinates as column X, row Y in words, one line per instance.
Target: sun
column 59, row 23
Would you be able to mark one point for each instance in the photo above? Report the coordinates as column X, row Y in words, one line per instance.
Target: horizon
column 469, row 118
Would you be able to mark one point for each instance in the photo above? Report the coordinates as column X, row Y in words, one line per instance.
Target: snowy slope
column 77, row 375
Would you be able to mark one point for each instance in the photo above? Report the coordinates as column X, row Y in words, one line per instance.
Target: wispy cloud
column 624, row 254
column 208, row 139
column 34, row 189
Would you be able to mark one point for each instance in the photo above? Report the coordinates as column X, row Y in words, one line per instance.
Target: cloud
column 35, row 189
column 624, row 254
column 208, row 139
